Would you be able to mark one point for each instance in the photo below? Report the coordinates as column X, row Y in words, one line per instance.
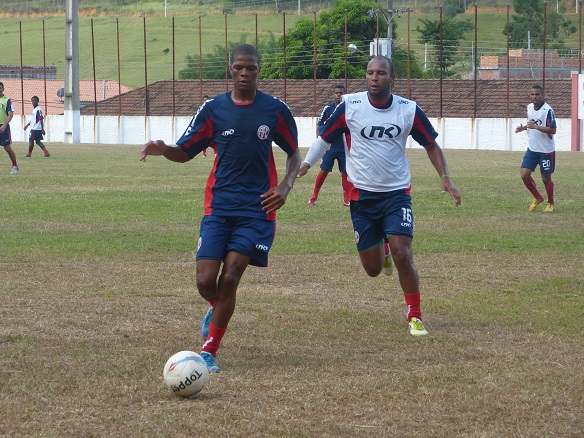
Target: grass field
column 97, row 291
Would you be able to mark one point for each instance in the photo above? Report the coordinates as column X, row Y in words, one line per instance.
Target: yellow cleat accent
column 417, row 328
column 549, row 208
column 388, row 265
column 534, row 204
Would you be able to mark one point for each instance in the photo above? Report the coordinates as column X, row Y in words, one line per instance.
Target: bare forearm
column 158, row 147
column 292, row 165
column 437, row 158
column 176, row 153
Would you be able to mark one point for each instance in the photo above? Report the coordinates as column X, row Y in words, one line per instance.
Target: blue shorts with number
column 249, row 236
column 328, row 160
column 545, row 160
column 5, row 137
column 378, row 215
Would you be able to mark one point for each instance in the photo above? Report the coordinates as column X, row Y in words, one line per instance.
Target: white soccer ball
column 186, row 373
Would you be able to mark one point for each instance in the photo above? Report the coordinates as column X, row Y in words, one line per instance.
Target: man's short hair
column 387, row 60
column 246, row 50
column 537, row 87
column 341, row 86
column 34, row 97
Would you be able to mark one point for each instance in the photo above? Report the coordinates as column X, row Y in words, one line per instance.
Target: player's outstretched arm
column 438, row 160
column 317, row 149
column 158, row 147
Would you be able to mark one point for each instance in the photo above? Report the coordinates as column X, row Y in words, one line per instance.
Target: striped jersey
column 242, row 136
column 338, row 145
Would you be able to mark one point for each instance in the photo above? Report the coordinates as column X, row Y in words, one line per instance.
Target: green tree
column 330, row 49
column 454, row 7
column 213, row 65
column 453, row 32
column 527, row 23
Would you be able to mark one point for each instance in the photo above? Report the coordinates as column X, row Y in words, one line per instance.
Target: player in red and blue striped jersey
column 377, row 124
column 242, row 192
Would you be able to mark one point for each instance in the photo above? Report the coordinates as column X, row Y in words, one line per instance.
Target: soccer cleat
column 14, row 170
column 211, row 362
column 417, row 328
column 27, row 155
column 549, row 208
column 312, row 202
column 47, row 155
column 534, row 204
column 205, row 322
column 388, row 265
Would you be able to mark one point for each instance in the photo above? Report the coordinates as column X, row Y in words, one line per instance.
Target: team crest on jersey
column 263, row 132
column 377, row 132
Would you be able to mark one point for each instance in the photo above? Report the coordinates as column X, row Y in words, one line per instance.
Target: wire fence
column 122, row 57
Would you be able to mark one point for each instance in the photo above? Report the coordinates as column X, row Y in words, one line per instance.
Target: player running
column 541, row 128
column 242, row 193
column 377, row 124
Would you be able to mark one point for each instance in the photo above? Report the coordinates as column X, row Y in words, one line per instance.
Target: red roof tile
column 304, row 99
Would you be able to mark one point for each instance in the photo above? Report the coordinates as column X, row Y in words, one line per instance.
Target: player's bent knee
column 207, row 286
column 372, row 271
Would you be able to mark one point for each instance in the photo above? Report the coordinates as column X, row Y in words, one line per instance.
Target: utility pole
column 389, row 20
column 72, row 109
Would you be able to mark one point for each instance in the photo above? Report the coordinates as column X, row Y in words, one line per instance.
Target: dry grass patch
column 318, row 351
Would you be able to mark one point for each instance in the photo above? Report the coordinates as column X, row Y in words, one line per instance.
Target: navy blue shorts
column 328, row 160
column 5, row 137
column 378, row 215
column 249, row 236
column 545, row 160
column 36, row 135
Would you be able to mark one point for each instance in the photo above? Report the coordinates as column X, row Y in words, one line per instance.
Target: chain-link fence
column 122, row 59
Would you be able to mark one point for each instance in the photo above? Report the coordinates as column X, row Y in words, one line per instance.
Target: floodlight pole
column 72, row 111
column 389, row 22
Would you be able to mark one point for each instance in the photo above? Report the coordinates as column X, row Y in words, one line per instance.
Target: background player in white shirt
column 377, row 124
column 541, row 128
column 37, row 128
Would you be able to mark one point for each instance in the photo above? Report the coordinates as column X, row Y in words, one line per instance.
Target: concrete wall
column 454, row 133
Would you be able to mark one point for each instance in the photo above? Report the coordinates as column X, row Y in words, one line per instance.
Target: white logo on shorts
column 263, row 132
column 261, row 247
column 199, row 244
column 356, row 237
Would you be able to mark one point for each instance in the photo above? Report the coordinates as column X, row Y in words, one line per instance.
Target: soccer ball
column 186, row 373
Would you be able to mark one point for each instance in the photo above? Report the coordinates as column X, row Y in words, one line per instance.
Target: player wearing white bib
column 37, row 128
column 541, row 128
column 376, row 124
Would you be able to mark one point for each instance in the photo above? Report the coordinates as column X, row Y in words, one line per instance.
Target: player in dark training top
column 335, row 152
column 242, row 192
